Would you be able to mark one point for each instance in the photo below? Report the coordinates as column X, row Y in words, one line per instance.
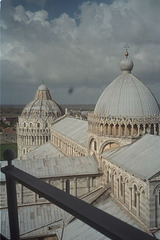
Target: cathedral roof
column 143, row 157
column 127, row 96
column 56, row 166
column 42, row 106
column 74, row 129
column 77, row 229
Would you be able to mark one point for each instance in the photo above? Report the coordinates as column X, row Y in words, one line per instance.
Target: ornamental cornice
column 97, row 119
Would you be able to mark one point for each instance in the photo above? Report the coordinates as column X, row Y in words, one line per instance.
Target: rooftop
column 127, row 96
column 73, row 129
column 56, row 166
column 142, row 158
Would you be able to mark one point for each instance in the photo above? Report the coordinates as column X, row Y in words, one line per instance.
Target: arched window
column 111, row 129
column 95, row 146
column 135, row 196
column 106, row 129
column 157, row 129
column 117, row 129
column 146, row 128
column 152, row 129
column 38, row 125
column 46, row 125
column 123, row 129
column 121, row 186
column 135, row 129
column 129, row 129
column 30, row 124
column 141, row 128
column 68, row 186
column 24, row 124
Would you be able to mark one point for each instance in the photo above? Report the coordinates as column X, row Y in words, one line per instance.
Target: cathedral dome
column 42, row 106
column 127, row 96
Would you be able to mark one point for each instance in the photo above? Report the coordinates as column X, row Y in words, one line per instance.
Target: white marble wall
column 78, row 187
column 134, row 194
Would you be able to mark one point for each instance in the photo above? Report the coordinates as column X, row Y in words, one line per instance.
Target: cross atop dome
column 126, row 52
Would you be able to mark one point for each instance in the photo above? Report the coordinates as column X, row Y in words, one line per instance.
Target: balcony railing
column 106, row 224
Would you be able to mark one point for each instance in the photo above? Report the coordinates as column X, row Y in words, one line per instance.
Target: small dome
column 127, row 96
column 42, row 87
column 126, row 65
column 42, row 106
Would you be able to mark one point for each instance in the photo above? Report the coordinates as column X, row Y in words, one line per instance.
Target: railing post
column 12, row 206
column 11, row 198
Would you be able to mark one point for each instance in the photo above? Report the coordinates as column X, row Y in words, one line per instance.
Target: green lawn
column 4, row 146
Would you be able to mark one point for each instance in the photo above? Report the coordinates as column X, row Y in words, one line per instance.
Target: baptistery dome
column 35, row 121
column 42, row 106
column 127, row 96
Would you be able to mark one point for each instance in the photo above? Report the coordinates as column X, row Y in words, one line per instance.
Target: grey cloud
column 85, row 56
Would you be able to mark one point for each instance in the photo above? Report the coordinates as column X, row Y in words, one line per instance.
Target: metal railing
column 106, row 224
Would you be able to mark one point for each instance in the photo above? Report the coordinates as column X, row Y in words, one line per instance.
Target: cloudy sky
column 75, row 47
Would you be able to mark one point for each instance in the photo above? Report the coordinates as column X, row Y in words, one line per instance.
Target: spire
column 126, row 64
column 126, row 52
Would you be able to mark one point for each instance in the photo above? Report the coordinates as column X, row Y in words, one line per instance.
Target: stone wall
column 67, row 146
column 131, row 192
column 77, row 186
column 154, row 202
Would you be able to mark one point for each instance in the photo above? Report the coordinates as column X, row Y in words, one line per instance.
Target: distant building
column 112, row 160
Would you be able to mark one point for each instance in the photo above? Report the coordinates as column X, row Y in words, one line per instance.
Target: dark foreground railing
column 99, row 220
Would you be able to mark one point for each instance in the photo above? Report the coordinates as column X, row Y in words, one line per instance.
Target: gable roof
column 72, row 128
column 47, row 150
column 56, row 167
column 77, row 230
column 142, row 158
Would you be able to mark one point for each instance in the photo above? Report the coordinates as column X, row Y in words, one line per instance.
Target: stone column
column 132, row 130
column 21, row 194
column 120, row 128
column 138, row 129
column 149, row 127
column 125, row 130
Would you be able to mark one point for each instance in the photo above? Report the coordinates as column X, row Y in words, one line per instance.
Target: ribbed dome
column 126, row 96
column 42, row 106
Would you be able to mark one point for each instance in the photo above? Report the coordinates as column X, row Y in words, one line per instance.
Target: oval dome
column 127, row 96
column 42, row 106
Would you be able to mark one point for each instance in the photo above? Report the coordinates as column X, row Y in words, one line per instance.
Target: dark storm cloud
column 38, row 47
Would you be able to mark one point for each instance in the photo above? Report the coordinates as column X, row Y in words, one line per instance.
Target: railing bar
column 96, row 218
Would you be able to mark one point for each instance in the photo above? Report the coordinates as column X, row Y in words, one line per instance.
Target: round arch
column 156, row 189
column 92, row 145
column 108, row 144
